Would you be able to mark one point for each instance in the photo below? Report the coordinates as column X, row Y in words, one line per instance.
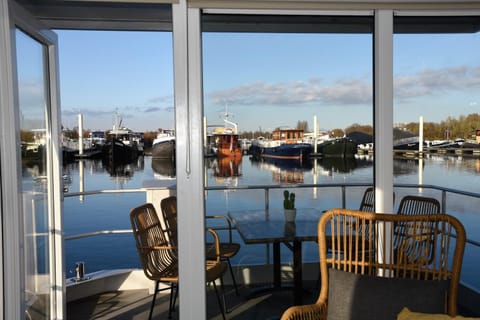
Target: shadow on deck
column 135, row 304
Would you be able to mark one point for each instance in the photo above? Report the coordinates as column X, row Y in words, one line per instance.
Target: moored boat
column 337, row 147
column 163, row 146
column 285, row 144
column 122, row 144
column 226, row 141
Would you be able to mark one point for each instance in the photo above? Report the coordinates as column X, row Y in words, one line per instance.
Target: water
column 110, row 211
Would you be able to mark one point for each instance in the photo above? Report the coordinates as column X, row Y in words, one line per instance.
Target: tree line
column 451, row 128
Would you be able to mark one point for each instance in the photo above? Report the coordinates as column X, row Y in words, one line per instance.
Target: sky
column 264, row 81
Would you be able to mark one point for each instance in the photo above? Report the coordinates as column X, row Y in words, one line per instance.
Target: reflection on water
column 225, row 170
column 338, row 164
column 296, row 171
column 283, row 170
column 226, row 167
column 124, row 171
column 163, row 168
column 403, row 166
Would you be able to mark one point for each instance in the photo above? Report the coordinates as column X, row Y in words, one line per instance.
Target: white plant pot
column 290, row 215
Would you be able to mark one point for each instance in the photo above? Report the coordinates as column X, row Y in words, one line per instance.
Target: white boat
column 163, row 147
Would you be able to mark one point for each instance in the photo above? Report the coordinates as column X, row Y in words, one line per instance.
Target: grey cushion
column 353, row 296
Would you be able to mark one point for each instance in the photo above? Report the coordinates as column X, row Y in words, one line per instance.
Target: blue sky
column 265, row 80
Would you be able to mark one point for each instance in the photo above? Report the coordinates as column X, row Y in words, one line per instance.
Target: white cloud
column 352, row 91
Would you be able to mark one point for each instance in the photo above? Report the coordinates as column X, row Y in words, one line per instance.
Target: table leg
column 277, row 281
column 297, row 272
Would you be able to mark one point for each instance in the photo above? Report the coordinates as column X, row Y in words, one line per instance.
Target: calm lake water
column 110, row 211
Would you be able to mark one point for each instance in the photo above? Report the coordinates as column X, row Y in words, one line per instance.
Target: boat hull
column 294, row 151
column 116, row 152
column 235, row 153
column 337, row 148
column 164, row 150
column 228, row 146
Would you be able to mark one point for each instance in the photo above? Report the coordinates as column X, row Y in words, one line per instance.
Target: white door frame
column 13, row 16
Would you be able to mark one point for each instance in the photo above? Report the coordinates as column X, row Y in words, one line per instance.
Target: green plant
column 289, row 200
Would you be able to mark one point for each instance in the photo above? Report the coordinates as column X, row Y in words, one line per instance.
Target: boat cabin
column 288, row 135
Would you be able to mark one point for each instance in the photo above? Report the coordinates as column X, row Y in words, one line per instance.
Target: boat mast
column 225, row 119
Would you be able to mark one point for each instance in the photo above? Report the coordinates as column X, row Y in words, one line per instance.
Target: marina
column 71, row 200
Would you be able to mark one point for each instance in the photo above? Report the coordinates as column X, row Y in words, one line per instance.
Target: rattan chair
column 228, row 249
column 159, row 256
column 168, row 206
column 379, row 283
column 368, row 200
column 418, row 205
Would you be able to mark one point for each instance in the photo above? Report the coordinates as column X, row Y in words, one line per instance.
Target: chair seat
column 167, row 276
column 227, row 250
column 214, row 270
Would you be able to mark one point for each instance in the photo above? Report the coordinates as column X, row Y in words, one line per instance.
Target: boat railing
column 346, row 194
column 267, row 189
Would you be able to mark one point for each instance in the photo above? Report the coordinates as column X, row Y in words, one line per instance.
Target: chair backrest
column 169, row 213
column 368, row 200
column 157, row 255
column 371, row 244
column 418, row 205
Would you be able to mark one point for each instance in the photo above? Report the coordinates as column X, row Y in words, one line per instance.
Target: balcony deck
column 135, row 304
column 268, row 305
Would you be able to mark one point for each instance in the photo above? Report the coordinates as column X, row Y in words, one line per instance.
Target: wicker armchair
column 357, row 284
column 228, row 249
column 368, row 200
column 159, row 256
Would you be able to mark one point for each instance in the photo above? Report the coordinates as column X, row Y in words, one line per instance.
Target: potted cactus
column 289, row 206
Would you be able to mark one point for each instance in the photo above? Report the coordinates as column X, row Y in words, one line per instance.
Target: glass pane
column 436, row 83
column 35, row 177
column 268, row 90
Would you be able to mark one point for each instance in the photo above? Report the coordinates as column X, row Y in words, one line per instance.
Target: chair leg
column 233, row 276
column 223, row 306
column 173, row 299
column 157, row 283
